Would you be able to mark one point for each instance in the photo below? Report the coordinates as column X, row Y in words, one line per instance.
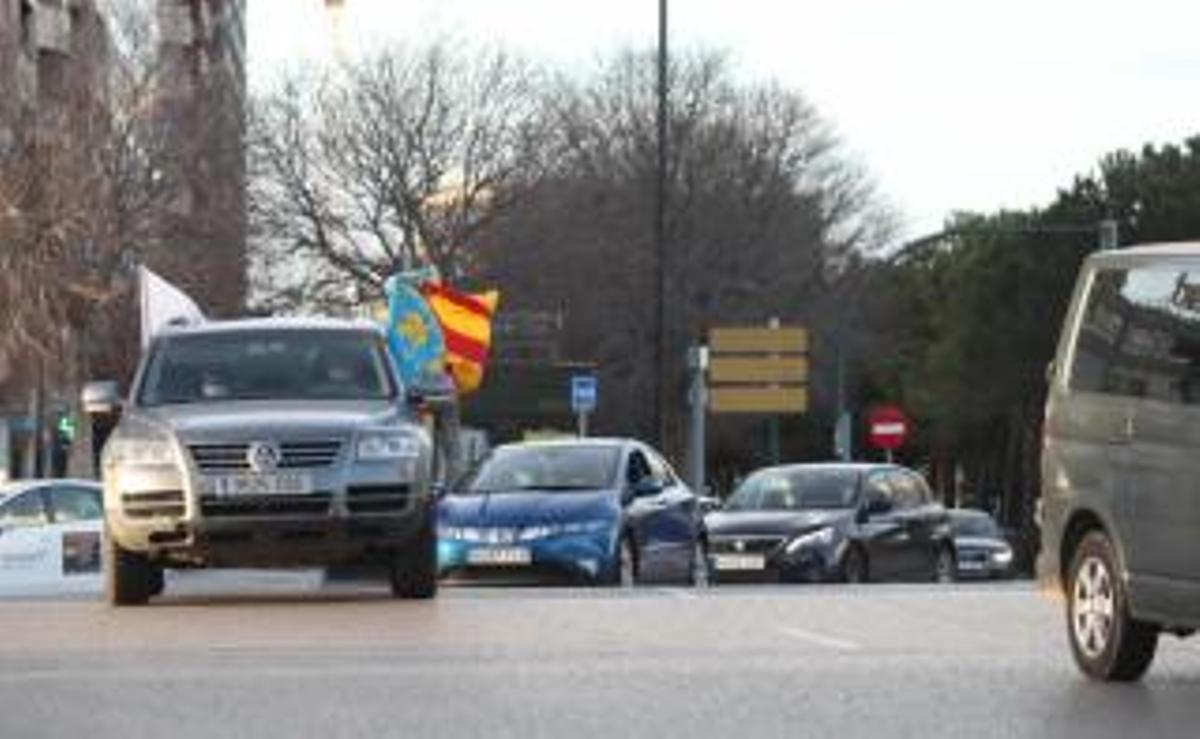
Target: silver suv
column 267, row 443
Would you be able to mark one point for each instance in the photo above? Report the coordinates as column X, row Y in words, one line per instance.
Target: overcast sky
column 949, row 104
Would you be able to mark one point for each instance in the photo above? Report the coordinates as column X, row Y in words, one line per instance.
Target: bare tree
column 764, row 208
column 82, row 192
column 392, row 162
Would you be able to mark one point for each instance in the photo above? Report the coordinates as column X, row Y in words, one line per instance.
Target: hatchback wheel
column 626, row 564
column 854, row 566
column 945, row 567
column 1107, row 643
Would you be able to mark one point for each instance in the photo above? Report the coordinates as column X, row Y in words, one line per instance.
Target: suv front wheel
column 129, row 577
column 413, row 567
column 1107, row 642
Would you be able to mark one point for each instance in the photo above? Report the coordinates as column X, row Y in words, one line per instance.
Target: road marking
column 681, row 593
column 821, row 640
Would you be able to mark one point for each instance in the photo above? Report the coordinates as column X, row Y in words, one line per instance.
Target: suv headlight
column 387, row 445
column 141, row 452
column 819, row 538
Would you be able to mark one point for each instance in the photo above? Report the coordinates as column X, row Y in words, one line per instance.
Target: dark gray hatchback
column 1121, row 460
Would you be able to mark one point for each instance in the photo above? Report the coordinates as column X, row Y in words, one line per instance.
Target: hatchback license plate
column 741, row 562
column 500, row 556
column 233, row 486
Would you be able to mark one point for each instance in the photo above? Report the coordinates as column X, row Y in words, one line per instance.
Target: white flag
column 164, row 305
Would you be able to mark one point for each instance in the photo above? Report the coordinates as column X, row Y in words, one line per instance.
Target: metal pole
column 1109, row 236
column 698, row 397
column 39, row 412
column 660, row 228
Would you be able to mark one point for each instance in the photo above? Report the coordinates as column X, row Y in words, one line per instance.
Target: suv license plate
column 500, row 556
column 741, row 562
column 232, row 486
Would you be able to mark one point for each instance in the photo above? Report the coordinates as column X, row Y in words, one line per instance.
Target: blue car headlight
column 820, row 538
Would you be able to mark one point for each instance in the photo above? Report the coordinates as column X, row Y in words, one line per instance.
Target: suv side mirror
column 101, row 398
column 432, row 392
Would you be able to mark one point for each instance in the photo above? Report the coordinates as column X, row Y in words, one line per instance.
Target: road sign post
column 584, row 395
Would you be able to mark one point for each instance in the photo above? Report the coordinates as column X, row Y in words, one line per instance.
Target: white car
column 50, row 537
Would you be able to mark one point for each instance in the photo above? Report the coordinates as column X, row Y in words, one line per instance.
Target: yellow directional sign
column 754, row 340
column 758, row 370
column 768, row 369
column 750, row 399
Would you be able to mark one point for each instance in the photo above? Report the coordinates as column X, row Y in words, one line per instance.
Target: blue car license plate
column 500, row 556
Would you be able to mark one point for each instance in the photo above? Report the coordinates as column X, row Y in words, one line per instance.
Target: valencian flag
column 466, row 321
column 413, row 332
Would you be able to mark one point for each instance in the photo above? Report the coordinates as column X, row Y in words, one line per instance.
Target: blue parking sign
column 583, row 393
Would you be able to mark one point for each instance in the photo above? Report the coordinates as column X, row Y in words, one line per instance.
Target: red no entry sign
column 887, row 428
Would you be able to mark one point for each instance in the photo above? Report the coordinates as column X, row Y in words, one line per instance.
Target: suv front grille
column 266, row 505
column 153, row 503
column 295, row 455
column 376, row 498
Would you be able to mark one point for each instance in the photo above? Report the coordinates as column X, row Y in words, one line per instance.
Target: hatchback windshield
column 796, row 489
column 549, row 468
column 266, row 365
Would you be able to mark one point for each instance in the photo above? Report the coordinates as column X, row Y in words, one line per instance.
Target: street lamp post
column 660, row 236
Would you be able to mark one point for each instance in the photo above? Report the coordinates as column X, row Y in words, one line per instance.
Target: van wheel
column 1107, row 643
column 129, row 577
column 412, row 571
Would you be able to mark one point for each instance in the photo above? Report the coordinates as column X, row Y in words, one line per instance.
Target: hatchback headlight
column 386, row 445
column 530, row 533
column 141, row 452
column 819, row 538
column 1002, row 556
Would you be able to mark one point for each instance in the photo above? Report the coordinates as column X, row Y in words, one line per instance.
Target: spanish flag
column 466, row 321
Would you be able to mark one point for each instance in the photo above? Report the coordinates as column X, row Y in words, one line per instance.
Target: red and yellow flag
column 466, row 321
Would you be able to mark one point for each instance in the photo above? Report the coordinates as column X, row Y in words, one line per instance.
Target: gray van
column 1121, row 458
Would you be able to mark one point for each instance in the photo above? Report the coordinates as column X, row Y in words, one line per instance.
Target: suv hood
column 249, row 420
column 771, row 523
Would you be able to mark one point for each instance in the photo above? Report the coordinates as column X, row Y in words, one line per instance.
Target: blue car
column 605, row 511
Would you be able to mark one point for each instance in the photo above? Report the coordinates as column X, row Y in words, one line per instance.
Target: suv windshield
column 546, row 468
column 795, row 490
column 266, row 365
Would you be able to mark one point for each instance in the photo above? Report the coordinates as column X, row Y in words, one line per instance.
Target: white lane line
column 821, row 640
column 680, row 593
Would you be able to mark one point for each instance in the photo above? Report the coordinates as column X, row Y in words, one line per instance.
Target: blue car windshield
column 549, row 468
column 796, row 490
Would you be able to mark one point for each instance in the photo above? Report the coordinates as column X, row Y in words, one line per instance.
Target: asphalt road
column 237, row 655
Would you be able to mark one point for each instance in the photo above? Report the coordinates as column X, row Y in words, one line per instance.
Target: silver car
column 265, row 443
